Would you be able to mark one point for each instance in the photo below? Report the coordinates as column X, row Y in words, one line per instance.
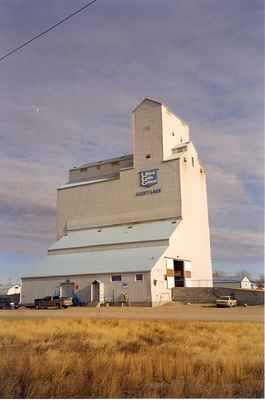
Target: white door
column 101, row 292
column 170, row 273
column 187, row 273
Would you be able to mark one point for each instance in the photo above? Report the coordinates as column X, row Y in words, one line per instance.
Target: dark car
column 7, row 302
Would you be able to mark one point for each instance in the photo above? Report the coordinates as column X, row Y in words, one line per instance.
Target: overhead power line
column 46, row 30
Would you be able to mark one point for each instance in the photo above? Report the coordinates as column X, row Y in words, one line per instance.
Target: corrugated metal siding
column 138, row 291
column 158, row 230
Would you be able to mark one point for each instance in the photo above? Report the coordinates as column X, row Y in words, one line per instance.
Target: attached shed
column 99, row 276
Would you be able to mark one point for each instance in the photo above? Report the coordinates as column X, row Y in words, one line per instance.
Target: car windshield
column 225, row 297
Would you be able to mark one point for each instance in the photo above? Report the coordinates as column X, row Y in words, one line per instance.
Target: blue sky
column 65, row 94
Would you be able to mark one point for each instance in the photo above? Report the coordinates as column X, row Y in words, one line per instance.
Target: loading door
column 179, row 273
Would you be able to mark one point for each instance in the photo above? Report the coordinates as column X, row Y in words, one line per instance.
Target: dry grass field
column 81, row 358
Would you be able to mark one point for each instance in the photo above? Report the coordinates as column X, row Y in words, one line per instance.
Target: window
column 148, row 156
column 98, row 166
column 192, row 161
column 155, row 282
column 173, row 133
column 116, row 278
column 179, row 149
column 83, row 169
column 139, row 277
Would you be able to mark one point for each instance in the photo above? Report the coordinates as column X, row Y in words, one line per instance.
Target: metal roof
column 93, row 164
column 96, row 262
column 129, row 233
column 89, row 181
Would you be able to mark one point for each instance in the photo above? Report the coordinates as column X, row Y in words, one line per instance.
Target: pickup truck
column 226, row 301
column 53, row 302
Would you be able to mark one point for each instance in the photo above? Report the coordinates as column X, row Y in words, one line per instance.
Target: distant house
column 15, row 289
column 235, row 282
column 10, row 289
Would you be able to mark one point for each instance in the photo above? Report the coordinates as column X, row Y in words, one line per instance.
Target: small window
column 148, row 156
column 139, row 277
column 155, row 282
column 98, row 166
column 83, row 169
column 173, row 133
column 116, row 278
column 115, row 163
column 181, row 140
column 192, row 161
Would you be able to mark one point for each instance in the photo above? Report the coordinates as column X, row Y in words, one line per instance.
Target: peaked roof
column 147, row 99
column 97, row 262
column 129, row 233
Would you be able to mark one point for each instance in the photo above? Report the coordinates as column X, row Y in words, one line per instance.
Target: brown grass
column 118, row 358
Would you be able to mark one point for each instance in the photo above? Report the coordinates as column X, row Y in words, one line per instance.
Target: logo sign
column 148, row 178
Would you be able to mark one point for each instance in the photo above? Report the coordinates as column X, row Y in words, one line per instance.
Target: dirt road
column 172, row 311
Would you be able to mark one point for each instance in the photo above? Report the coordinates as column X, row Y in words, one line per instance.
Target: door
column 95, row 292
column 179, row 273
column 170, row 273
column 101, row 292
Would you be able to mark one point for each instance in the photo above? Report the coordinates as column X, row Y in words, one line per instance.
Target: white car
column 226, row 301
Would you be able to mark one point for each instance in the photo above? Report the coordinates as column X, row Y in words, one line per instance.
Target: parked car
column 7, row 303
column 53, row 302
column 226, row 301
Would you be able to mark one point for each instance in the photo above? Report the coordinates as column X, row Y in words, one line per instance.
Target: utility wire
column 46, row 30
